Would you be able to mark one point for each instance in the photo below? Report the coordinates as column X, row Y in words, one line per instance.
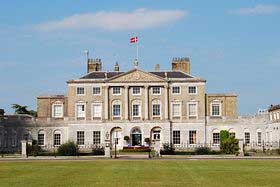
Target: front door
column 136, row 139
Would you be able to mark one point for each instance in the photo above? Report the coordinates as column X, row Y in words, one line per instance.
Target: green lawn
column 141, row 173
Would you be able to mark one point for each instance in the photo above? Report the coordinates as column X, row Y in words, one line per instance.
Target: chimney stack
column 181, row 64
column 117, row 67
column 94, row 65
column 157, row 67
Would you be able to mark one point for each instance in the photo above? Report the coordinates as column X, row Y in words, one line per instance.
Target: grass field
column 141, row 173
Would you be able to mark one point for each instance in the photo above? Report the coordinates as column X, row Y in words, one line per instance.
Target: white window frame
column 220, row 108
column 115, row 88
column 180, row 109
column 175, row 86
column 76, row 109
column 96, row 139
column 96, row 104
column 195, row 90
column 155, row 88
column 160, row 109
column 81, row 139
column 78, row 93
column 192, row 132
column 179, row 137
column 53, row 112
column 116, row 102
column 136, row 93
column 246, row 140
column 259, row 138
column 60, row 142
column 139, row 110
column 41, row 132
column 100, row 91
column 196, row 109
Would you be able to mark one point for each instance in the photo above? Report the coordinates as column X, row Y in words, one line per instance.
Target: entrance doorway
column 136, row 137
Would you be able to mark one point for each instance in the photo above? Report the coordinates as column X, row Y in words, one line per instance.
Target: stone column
column 126, row 102
column 166, row 100
column 241, row 151
column 23, row 148
column 146, row 90
column 106, row 103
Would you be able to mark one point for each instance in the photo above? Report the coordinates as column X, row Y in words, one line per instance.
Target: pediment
column 137, row 75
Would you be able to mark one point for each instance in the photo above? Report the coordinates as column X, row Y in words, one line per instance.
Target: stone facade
column 165, row 106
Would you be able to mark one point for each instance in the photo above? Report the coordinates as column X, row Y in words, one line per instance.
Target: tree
column 228, row 144
column 2, row 112
column 19, row 109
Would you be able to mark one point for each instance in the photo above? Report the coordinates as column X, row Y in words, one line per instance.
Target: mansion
column 166, row 106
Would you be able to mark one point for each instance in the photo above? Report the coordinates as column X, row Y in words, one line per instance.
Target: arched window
column 57, row 138
column 231, row 132
column 216, row 136
column 41, row 138
column 156, row 108
column 116, row 109
column 136, row 108
column 247, row 137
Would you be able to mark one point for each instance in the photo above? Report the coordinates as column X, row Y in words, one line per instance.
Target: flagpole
column 137, row 50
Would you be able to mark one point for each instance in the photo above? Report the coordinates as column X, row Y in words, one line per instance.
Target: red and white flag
column 134, row 40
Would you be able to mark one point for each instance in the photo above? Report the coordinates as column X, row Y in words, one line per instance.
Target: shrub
column 229, row 146
column 278, row 151
column 147, row 140
column 224, row 135
column 99, row 150
column 203, row 151
column 68, row 149
column 33, row 149
column 126, row 138
column 168, row 149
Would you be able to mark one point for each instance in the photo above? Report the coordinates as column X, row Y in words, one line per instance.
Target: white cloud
column 135, row 20
column 258, row 9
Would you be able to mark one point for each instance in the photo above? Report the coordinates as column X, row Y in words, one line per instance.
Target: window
column 156, row 109
column 80, row 91
column 192, row 110
column 216, row 109
column 57, row 139
column 80, row 137
column 216, row 138
column 96, row 91
column 156, row 134
column 232, row 134
column 259, row 138
column 247, row 137
column 136, row 110
column 41, row 138
column 176, row 90
column 80, row 111
column 156, row 90
column 192, row 90
column 96, row 137
column 136, row 90
column 116, row 90
column 176, row 110
column 192, row 137
column 96, row 110
column 176, row 137
column 116, row 110
column 57, row 111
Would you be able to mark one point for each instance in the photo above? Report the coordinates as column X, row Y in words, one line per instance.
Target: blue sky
column 234, row 45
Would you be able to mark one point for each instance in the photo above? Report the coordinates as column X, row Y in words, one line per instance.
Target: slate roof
column 170, row 74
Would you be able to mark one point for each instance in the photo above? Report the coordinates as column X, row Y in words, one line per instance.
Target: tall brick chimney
column 181, row 64
column 94, row 65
